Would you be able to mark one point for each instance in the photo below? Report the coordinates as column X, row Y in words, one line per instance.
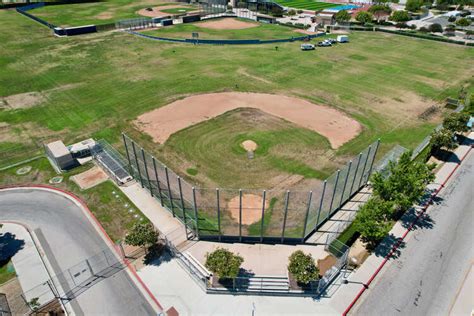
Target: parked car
column 325, row 43
column 343, row 39
column 332, row 40
column 307, row 46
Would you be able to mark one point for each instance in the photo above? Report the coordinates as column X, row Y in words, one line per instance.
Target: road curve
column 427, row 276
column 68, row 238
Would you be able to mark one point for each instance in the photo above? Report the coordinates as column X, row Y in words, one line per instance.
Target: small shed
column 325, row 19
column 59, row 154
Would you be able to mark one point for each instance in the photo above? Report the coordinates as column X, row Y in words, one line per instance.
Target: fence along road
column 68, row 238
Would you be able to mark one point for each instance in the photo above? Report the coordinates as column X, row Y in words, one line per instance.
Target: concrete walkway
column 27, row 262
column 347, row 293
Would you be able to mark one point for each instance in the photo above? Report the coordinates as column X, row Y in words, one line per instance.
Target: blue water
column 344, row 7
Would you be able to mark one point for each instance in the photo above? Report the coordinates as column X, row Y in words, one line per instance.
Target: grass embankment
column 105, row 200
column 7, row 272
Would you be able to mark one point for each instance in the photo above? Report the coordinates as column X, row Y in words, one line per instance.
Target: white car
column 307, row 46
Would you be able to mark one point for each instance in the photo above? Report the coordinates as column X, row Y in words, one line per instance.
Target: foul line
column 399, row 241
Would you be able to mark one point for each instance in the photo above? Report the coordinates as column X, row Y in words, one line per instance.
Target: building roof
column 58, row 149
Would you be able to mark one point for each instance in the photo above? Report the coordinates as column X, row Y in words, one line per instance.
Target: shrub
column 224, row 263
column 463, row 22
column 364, row 17
column 142, row 235
column 452, row 19
column 299, row 11
column 424, row 29
column 436, row 28
column 302, row 267
column 291, row 12
column 401, row 25
column 400, row 16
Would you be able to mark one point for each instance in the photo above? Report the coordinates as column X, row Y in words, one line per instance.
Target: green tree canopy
column 364, row 17
column 463, row 22
column 400, row 16
column 142, row 235
column 457, row 122
column 342, row 16
column 302, row 267
column 443, row 138
column 224, row 263
column 413, row 5
column 436, row 28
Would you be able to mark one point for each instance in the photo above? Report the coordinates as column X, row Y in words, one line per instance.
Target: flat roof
column 58, row 149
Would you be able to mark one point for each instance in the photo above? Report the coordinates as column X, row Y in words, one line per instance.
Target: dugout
column 60, row 155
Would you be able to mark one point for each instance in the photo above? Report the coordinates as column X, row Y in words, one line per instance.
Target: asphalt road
column 427, row 276
column 68, row 238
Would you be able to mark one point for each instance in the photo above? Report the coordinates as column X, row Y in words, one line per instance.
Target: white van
column 307, row 46
column 343, row 39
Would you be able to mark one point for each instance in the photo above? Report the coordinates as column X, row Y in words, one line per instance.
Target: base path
column 161, row 123
column 68, row 237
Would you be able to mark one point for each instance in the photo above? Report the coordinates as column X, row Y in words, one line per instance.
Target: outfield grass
column 180, row 10
column 307, row 4
column 100, row 12
column 96, row 85
column 262, row 31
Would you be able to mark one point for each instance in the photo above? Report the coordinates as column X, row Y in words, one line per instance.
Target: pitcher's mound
column 249, row 145
column 251, row 208
column 227, row 24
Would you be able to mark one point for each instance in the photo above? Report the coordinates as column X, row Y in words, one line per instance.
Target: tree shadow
column 411, row 219
column 386, row 246
column 157, row 259
column 9, row 246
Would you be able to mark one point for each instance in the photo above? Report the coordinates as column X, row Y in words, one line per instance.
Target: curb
column 400, row 239
column 95, row 223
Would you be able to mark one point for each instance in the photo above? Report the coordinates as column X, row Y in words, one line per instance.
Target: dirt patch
column 304, row 32
column 90, row 178
column 253, row 208
column 161, row 123
column 157, row 13
column 227, row 24
column 105, row 16
column 326, row 264
column 21, row 100
column 242, row 71
column 358, row 253
column 249, row 145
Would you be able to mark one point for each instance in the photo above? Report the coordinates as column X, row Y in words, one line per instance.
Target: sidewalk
column 347, row 293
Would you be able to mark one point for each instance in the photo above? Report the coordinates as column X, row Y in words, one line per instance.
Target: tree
column 406, row 182
column 342, row 16
column 400, row 16
column 224, row 263
column 302, row 267
column 424, row 29
column 373, row 220
column 463, row 22
column 364, row 17
column 452, row 18
column 457, row 122
column 442, row 139
column 142, row 235
column 378, row 10
column 436, row 28
column 291, row 12
column 413, row 5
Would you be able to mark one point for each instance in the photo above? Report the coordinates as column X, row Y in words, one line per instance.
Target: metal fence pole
column 363, row 169
column 334, row 192
column 345, row 183
column 307, row 215
column 355, row 173
column 287, row 200
column 157, row 181
column 170, row 197
column 146, row 172
column 218, row 214
column 182, row 200
column 136, row 161
column 321, row 204
column 263, row 215
column 195, row 212
column 240, row 215
column 373, row 160
column 128, row 155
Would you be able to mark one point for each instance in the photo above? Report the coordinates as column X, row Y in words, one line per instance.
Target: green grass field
column 178, row 10
column 101, row 12
column 307, row 4
column 96, row 85
column 262, row 31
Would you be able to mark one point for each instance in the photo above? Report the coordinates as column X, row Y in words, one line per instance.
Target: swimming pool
column 347, row 7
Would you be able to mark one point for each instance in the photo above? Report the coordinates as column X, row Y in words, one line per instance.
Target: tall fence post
column 320, row 204
column 263, row 215
column 195, row 212
column 333, row 193
column 157, row 181
column 170, row 196
column 136, row 161
column 373, row 160
column 307, row 215
column 345, row 183
column 146, row 172
column 182, row 201
column 287, row 200
column 355, row 173
column 240, row 215
column 128, row 155
column 218, row 214
column 363, row 169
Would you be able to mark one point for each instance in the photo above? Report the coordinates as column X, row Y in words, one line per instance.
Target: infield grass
column 96, row 85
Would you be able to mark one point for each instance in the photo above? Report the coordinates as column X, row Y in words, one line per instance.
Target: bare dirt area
column 253, row 208
column 304, row 32
column 161, row 123
column 157, row 13
column 21, row 100
column 325, row 264
column 249, row 145
column 90, row 178
column 227, row 24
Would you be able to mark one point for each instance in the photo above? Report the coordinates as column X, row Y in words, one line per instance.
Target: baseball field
column 378, row 86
